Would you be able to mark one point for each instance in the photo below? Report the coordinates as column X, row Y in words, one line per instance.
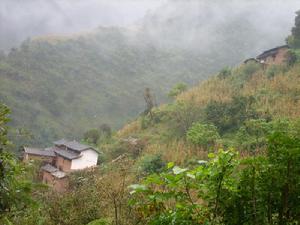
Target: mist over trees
column 167, row 22
column 226, row 151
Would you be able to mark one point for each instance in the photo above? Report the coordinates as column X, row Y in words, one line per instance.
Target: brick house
column 274, row 56
column 60, row 160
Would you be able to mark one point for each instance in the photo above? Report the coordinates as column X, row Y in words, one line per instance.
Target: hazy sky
column 20, row 19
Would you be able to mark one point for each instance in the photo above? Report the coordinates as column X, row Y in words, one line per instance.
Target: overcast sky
column 20, row 19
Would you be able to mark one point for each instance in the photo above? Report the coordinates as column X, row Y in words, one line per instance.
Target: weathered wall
column 28, row 157
column 280, row 57
column 59, row 185
column 47, row 178
column 63, row 164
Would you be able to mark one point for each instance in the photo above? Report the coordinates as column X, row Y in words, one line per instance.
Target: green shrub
column 226, row 72
column 183, row 115
column 145, row 122
column 274, row 70
column 177, row 89
column 149, row 164
column 253, row 134
column 230, row 116
column 203, row 134
column 249, row 69
column 92, row 136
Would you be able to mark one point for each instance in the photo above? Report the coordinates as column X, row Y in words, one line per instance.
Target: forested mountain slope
column 238, row 102
column 156, row 170
column 226, row 151
column 60, row 86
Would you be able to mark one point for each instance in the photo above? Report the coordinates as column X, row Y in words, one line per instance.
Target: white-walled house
column 72, row 155
column 88, row 159
column 67, row 156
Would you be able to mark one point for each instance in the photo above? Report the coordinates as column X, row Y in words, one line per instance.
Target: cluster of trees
column 294, row 39
column 15, row 187
column 98, row 136
column 228, row 189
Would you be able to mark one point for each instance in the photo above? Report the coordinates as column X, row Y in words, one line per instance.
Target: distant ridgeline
column 62, row 86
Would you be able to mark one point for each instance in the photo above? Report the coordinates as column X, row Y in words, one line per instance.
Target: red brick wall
column 59, row 185
column 280, row 57
column 63, row 164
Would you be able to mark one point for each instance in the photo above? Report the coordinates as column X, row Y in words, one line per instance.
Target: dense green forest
column 61, row 87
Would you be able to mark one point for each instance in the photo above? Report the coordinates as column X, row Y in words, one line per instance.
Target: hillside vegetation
column 230, row 101
column 225, row 152
column 172, row 163
column 62, row 85
column 215, row 154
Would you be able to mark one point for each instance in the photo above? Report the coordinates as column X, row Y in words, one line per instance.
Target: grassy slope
column 276, row 92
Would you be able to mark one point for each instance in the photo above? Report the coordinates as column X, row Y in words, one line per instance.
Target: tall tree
column 150, row 101
column 294, row 39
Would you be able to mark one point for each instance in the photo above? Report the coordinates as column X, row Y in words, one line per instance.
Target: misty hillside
column 73, row 83
column 187, row 116
column 237, row 102
column 65, row 84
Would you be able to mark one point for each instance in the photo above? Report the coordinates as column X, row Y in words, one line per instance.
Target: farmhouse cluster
column 274, row 56
column 60, row 160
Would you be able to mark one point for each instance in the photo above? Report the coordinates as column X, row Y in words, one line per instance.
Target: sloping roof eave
column 39, row 152
column 66, row 155
column 271, row 51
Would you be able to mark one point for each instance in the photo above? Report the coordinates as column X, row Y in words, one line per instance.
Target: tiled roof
column 39, row 152
column 67, row 154
column 53, row 148
column 271, row 52
column 54, row 171
column 60, row 142
column 251, row 59
column 74, row 145
column 49, row 168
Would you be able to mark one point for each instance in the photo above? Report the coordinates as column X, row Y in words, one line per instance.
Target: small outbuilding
column 55, row 178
